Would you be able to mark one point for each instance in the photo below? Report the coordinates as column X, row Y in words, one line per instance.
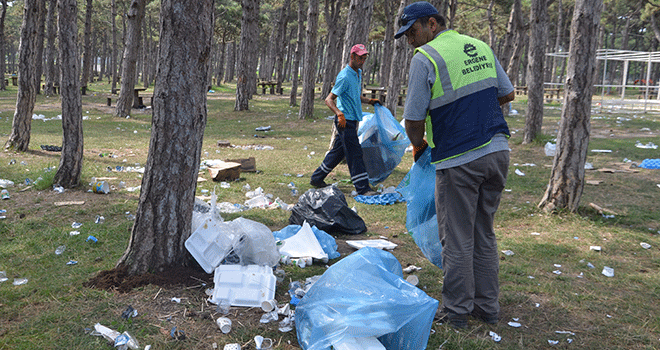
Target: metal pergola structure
column 626, row 56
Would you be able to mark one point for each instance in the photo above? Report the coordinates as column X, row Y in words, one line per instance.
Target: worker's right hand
column 419, row 150
column 341, row 120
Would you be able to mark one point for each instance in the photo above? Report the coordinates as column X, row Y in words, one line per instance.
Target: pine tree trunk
column 231, row 62
column 298, row 55
column 222, row 57
column 567, row 177
column 115, row 49
column 70, row 168
column 309, row 65
column 280, row 49
column 3, row 67
column 358, row 21
column 332, row 12
column 39, row 62
column 538, row 32
column 51, row 74
column 398, row 64
column 134, row 20
column 87, row 54
column 164, row 215
column 19, row 139
column 388, row 42
column 245, row 75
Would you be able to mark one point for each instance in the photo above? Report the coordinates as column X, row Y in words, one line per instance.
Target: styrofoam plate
column 374, row 243
column 248, row 285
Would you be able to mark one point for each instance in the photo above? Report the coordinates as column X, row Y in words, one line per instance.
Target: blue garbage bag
column 650, row 164
column 327, row 242
column 365, row 295
column 383, row 142
column 418, row 189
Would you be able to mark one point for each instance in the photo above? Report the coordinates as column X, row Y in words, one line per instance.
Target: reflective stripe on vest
column 468, row 66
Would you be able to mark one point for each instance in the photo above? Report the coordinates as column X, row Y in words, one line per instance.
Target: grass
column 53, row 309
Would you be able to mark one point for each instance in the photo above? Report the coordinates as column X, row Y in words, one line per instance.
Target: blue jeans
column 346, row 146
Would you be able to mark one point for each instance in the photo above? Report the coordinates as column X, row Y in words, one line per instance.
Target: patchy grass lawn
column 547, row 285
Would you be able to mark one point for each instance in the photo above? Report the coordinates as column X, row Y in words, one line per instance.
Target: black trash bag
column 326, row 208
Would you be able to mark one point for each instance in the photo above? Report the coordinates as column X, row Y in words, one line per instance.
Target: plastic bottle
column 60, row 250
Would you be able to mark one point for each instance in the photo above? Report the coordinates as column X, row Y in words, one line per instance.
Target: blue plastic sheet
column 383, row 142
column 327, row 242
column 418, row 189
column 382, row 199
column 650, row 164
column 365, row 295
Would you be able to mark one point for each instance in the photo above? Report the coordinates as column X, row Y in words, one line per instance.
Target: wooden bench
column 270, row 84
column 138, row 100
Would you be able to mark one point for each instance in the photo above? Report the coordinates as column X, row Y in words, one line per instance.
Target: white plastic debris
column 496, row 338
column 411, row 268
column 645, row 245
column 553, row 342
column 374, row 243
column 565, row 332
column 507, row 252
column 550, row 149
column 595, row 248
column 535, row 234
column 591, row 266
column 557, row 265
column 176, row 300
column 556, row 272
column 519, row 173
column 601, row 150
column 514, row 324
column 303, row 243
column 608, row 271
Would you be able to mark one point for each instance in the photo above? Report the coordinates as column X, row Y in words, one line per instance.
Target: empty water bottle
column 60, row 250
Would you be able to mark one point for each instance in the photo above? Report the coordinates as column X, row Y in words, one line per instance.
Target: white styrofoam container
column 211, row 242
column 374, row 243
column 248, row 285
column 369, row 343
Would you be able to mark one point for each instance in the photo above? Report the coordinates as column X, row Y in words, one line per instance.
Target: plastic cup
column 101, row 187
column 224, row 324
column 268, row 305
column 232, row 346
column 412, row 279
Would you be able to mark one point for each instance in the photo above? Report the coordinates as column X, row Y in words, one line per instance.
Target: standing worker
column 345, row 102
column 456, row 87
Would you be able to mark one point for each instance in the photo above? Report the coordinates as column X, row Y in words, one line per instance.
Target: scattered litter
column 601, row 150
column 269, row 317
column 649, row 145
column 557, row 265
column 650, row 164
column 72, row 262
column 91, row 239
column 76, row 225
column 327, row 209
column 411, row 268
column 243, row 285
column 262, row 128
column 176, row 300
column 507, row 252
column 129, row 312
column 105, row 332
column 303, row 243
column 519, row 173
column 59, row 250
column 565, row 332
column 412, row 279
column 596, row 248
column 535, row 234
column 58, row 189
column 556, row 272
column 224, row 324
column 20, row 281
column 550, row 149
column 361, row 343
column 608, row 316
column 232, row 346
column 514, row 324
column 494, row 336
column 537, row 305
column 327, row 242
column 263, row 343
column 269, row 305
column 553, row 342
column 591, row 266
column 177, row 334
column 4, row 194
column 645, row 245
column 4, row 183
column 59, row 204
column 3, row 276
column 588, row 166
column 608, row 271
column 99, row 219
column 374, row 243
column 225, row 184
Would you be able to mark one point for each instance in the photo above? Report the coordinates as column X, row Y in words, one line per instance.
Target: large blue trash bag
column 418, row 189
column 383, row 142
column 365, row 295
column 327, row 242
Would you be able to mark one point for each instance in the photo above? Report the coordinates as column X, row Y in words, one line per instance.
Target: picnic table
column 271, row 85
column 381, row 92
column 138, row 101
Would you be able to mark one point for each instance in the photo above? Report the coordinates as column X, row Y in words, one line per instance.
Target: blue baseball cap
column 411, row 13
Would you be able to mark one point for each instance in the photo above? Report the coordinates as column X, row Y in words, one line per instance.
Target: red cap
column 359, row 50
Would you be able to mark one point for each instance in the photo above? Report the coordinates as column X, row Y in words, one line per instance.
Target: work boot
column 484, row 317
column 455, row 320
column 318, row 184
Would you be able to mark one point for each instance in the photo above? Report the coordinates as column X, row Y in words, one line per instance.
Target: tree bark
column 298, row 54
column 538, row 27
column 398, row 64
column 332, row 13
column 164, row 215
column 358, row 21
column 231, row 62
column 558, row 40
column 388, row 42
column 280, row 47
column 115, row 49
column 50, row 50
column 134, row 20
column 309, row 65
column 39, row 62
column 87, row 53
column 3, row 67
column 247, row 51
column 70, row 168
column 567, row 177
column 19, row 139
